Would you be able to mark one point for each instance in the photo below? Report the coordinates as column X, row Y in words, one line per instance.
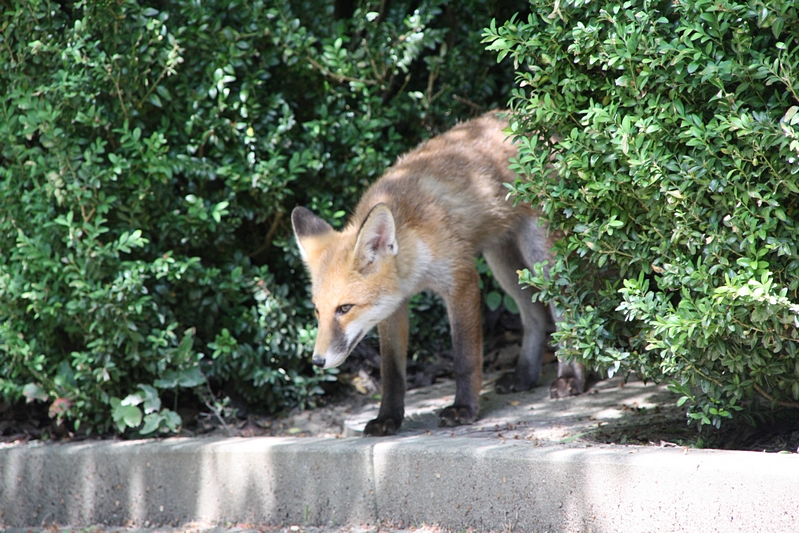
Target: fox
column 419, row 227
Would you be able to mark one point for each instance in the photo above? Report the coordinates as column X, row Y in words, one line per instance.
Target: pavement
column 529, row 464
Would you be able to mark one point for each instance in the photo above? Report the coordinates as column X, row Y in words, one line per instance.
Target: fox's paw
column 455, row 415
column 381, row 428
column 565, row 387
column 509, row 383
column 570, row 382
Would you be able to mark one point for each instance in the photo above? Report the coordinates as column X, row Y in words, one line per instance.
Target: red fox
column 419, row 227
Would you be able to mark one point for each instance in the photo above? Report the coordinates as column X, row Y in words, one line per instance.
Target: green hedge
column 675, row 180
column 149, row 155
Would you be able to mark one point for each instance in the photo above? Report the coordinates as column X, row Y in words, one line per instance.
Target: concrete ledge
column 268, row 480
column 454, row 482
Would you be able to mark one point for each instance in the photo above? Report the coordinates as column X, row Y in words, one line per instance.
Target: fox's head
column 353, row 277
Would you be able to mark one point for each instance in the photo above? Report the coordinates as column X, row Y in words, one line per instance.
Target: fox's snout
column 329, row 359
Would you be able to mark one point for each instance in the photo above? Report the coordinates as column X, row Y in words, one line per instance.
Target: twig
column 772, row 400
column 211, row 404
column 431, row 80
column 270, row 235
column 466, row 101
column 166, row 70
column 338, row 77
column 86, row 218
column 119, row 92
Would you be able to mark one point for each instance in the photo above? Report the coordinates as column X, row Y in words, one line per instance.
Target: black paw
column 565, row 387
column 456, row 416
column 508, row 383
column 381, row 428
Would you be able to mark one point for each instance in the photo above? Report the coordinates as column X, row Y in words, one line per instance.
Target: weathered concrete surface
column 524, row 466
column 516, row 486
column 456, row 482
column 268, row 480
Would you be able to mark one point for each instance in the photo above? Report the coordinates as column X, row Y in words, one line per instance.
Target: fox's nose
column 318, row 360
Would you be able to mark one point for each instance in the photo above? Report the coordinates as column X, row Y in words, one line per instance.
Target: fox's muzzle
column 329, row 359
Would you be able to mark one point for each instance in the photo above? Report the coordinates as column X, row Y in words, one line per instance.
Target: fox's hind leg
column 505, row 259
column 527, row 246
column 571, row 377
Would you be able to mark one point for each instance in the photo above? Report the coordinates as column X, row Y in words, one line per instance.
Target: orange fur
column 417, row 228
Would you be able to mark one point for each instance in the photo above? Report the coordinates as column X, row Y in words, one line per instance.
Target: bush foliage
column 661, row 138
column 149, row 154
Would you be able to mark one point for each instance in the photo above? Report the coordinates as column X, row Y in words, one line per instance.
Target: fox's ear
column 311, row 233
column 377, row 236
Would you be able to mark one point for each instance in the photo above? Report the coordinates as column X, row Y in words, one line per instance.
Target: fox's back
column 451, row 187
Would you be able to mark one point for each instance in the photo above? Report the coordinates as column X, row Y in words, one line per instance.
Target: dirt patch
column 617, row 411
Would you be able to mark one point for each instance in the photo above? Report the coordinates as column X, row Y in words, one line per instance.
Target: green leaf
column 168, row 381
column 152, row 402
column 34, row 392
column 191, row 377
column 510, row 304
column 171, row 419
column 125, row 416
column 493, row 300
column 219, row 211
column 186, row 345
column 152, row 422
column 132, row 399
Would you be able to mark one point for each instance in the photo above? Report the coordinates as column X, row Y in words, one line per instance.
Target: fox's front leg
column 393, row 333
column 465, row 322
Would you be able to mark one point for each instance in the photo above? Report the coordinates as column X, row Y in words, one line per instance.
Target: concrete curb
column 454, row 482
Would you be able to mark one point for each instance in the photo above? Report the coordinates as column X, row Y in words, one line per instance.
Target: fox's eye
column 343, row 309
